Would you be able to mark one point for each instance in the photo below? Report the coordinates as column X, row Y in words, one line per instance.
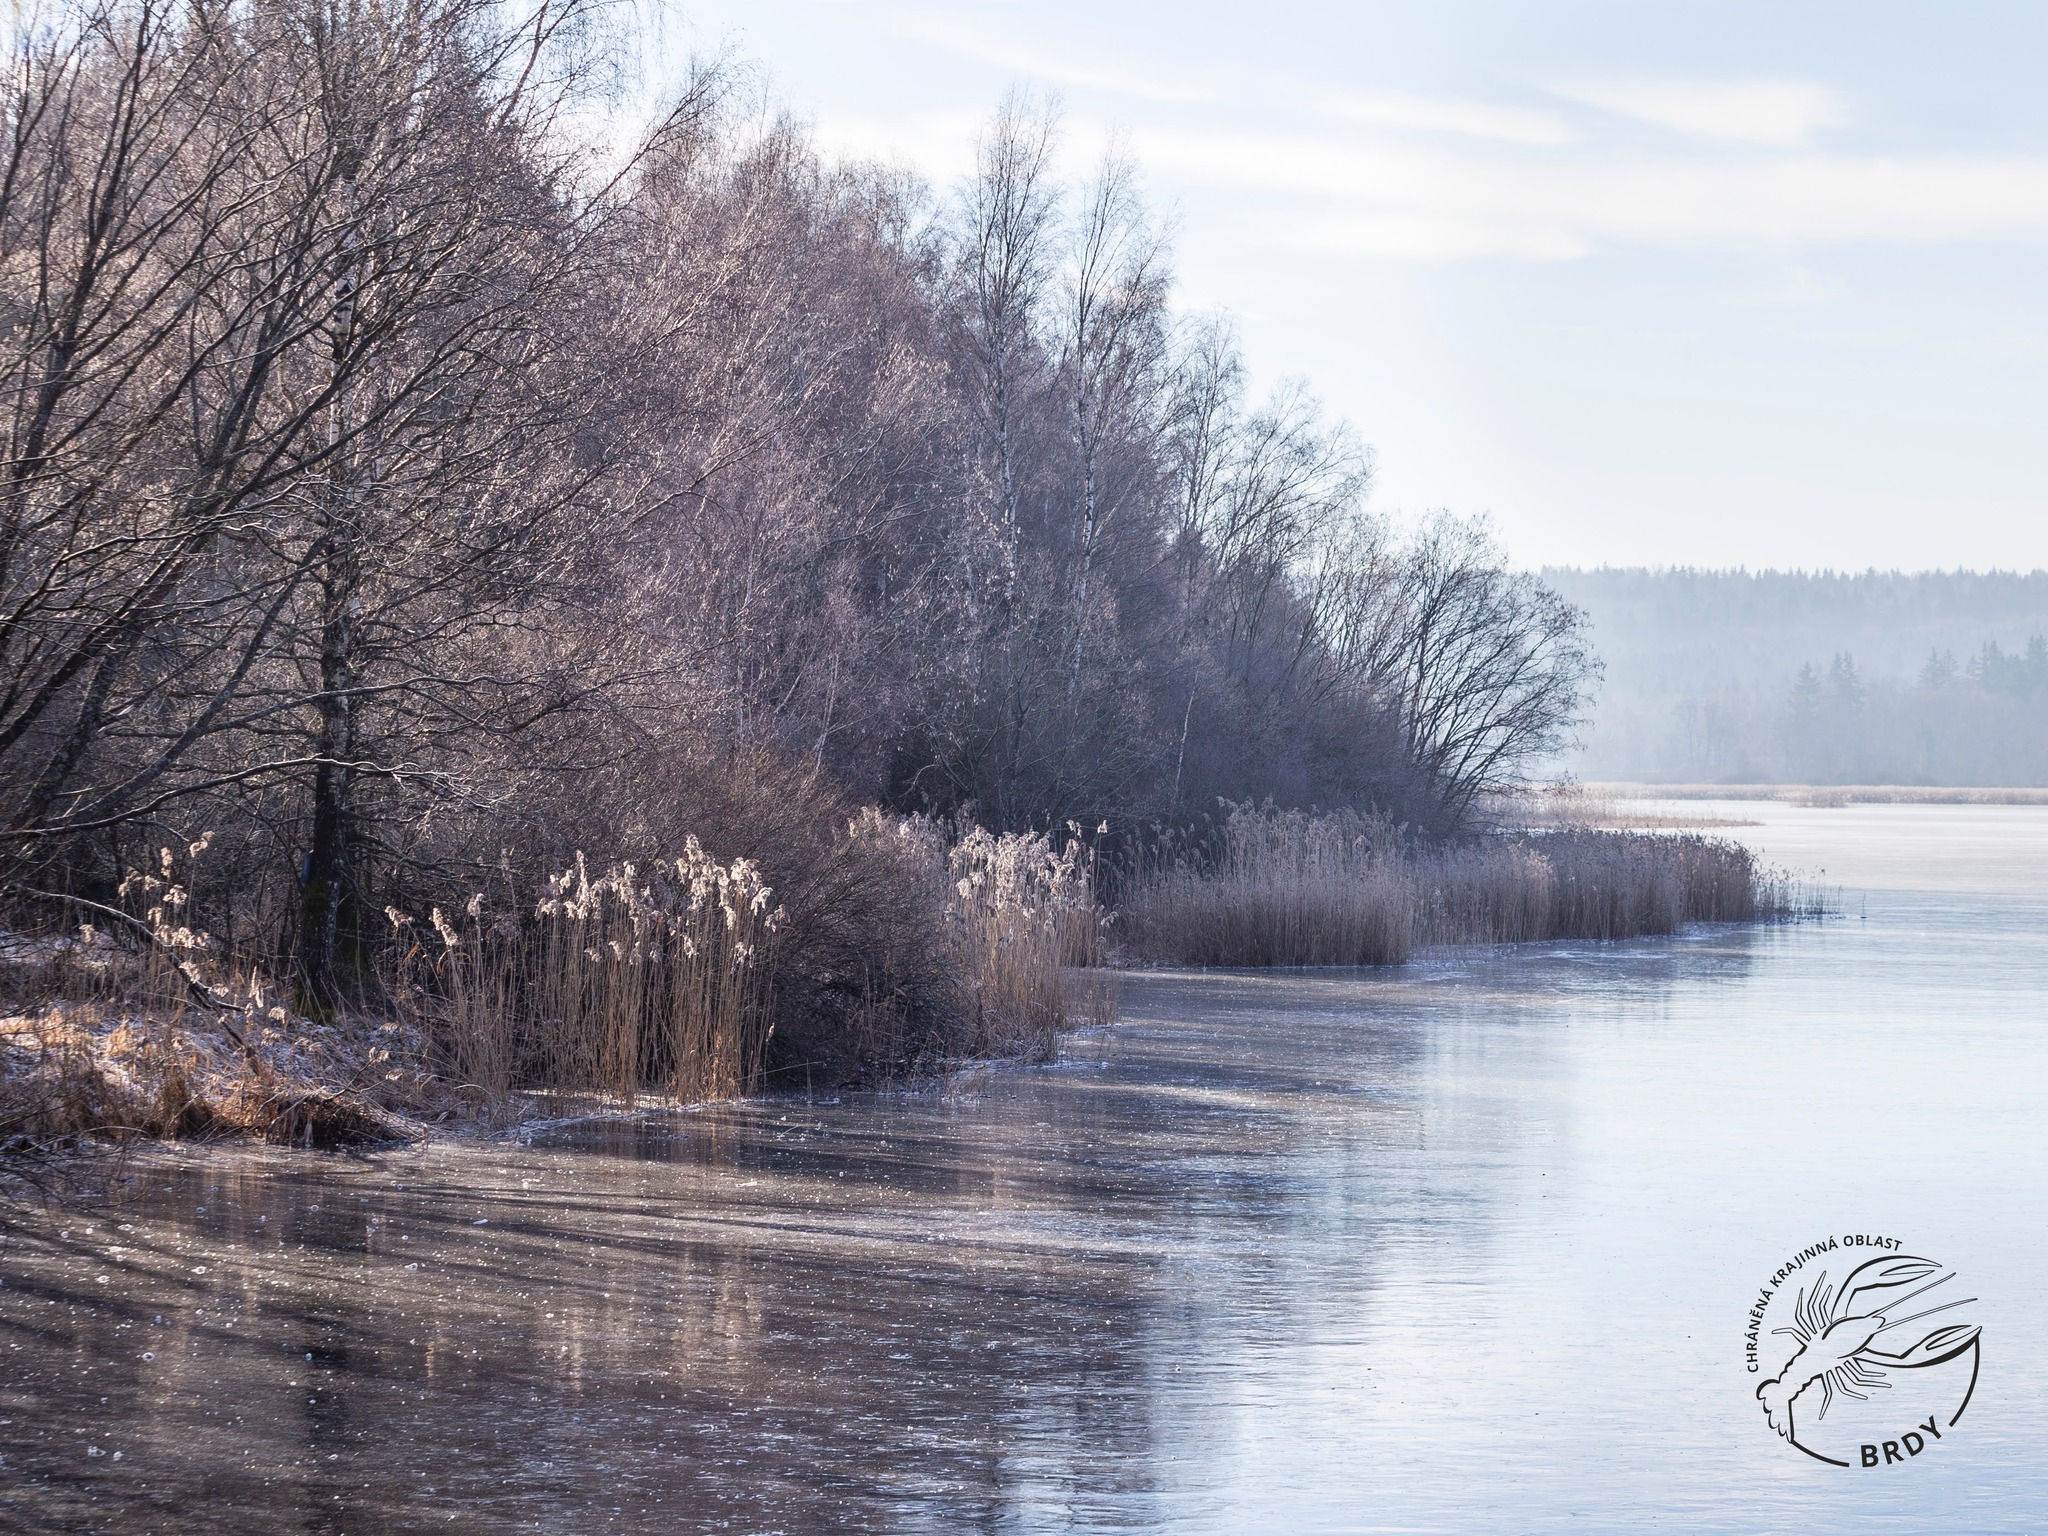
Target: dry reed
column 642, row 978
column 1293, row 888
column 1021, row 915
column 656, row 978
column 1015, row 914
column 663, row 979
column 1282, row 888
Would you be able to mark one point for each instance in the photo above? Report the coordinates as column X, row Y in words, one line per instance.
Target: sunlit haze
column 1730, row 284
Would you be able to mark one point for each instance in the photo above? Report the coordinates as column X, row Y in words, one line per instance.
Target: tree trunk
column 327, row 885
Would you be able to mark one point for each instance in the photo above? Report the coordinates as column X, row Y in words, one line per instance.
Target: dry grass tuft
column 74, row 1073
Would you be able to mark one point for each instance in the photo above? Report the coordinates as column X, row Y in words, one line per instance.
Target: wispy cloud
column 1073, row 70
column 1780, row 113
column 1453, row 115
column 1411, row 176
column 1377, row 196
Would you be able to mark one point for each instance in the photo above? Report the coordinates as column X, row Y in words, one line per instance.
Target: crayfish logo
column 1868, row 1372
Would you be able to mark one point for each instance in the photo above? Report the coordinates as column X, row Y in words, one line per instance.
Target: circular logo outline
column 1840, row 1349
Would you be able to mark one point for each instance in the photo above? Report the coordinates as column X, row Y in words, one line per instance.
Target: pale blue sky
column 1711, row 284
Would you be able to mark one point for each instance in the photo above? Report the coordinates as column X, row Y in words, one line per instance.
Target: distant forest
column 1790, row 677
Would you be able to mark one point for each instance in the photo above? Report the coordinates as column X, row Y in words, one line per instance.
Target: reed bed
column 1021, row 917
column 1831, row 795
column 1278, row 888
column 914, row 945
column 655, row 977
column 1293, row 888
column 1568, row 805
column 663, row 978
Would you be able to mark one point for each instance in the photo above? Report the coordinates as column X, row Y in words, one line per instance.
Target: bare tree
column 1006, row 264
column 1111, row 345
column 293, row 429
column 1488, row 668
column 399, row 484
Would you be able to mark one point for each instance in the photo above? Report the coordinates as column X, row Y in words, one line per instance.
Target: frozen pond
column 1465, row 1247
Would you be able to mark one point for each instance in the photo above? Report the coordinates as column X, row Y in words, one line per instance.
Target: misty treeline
column 408, row 487
column 1980, row 721
column 1781, row 676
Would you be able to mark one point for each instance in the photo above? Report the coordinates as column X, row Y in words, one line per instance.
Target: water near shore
column 1468, row 1246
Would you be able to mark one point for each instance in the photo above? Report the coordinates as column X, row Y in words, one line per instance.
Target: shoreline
column 1822, row 795
column 451, row 1117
